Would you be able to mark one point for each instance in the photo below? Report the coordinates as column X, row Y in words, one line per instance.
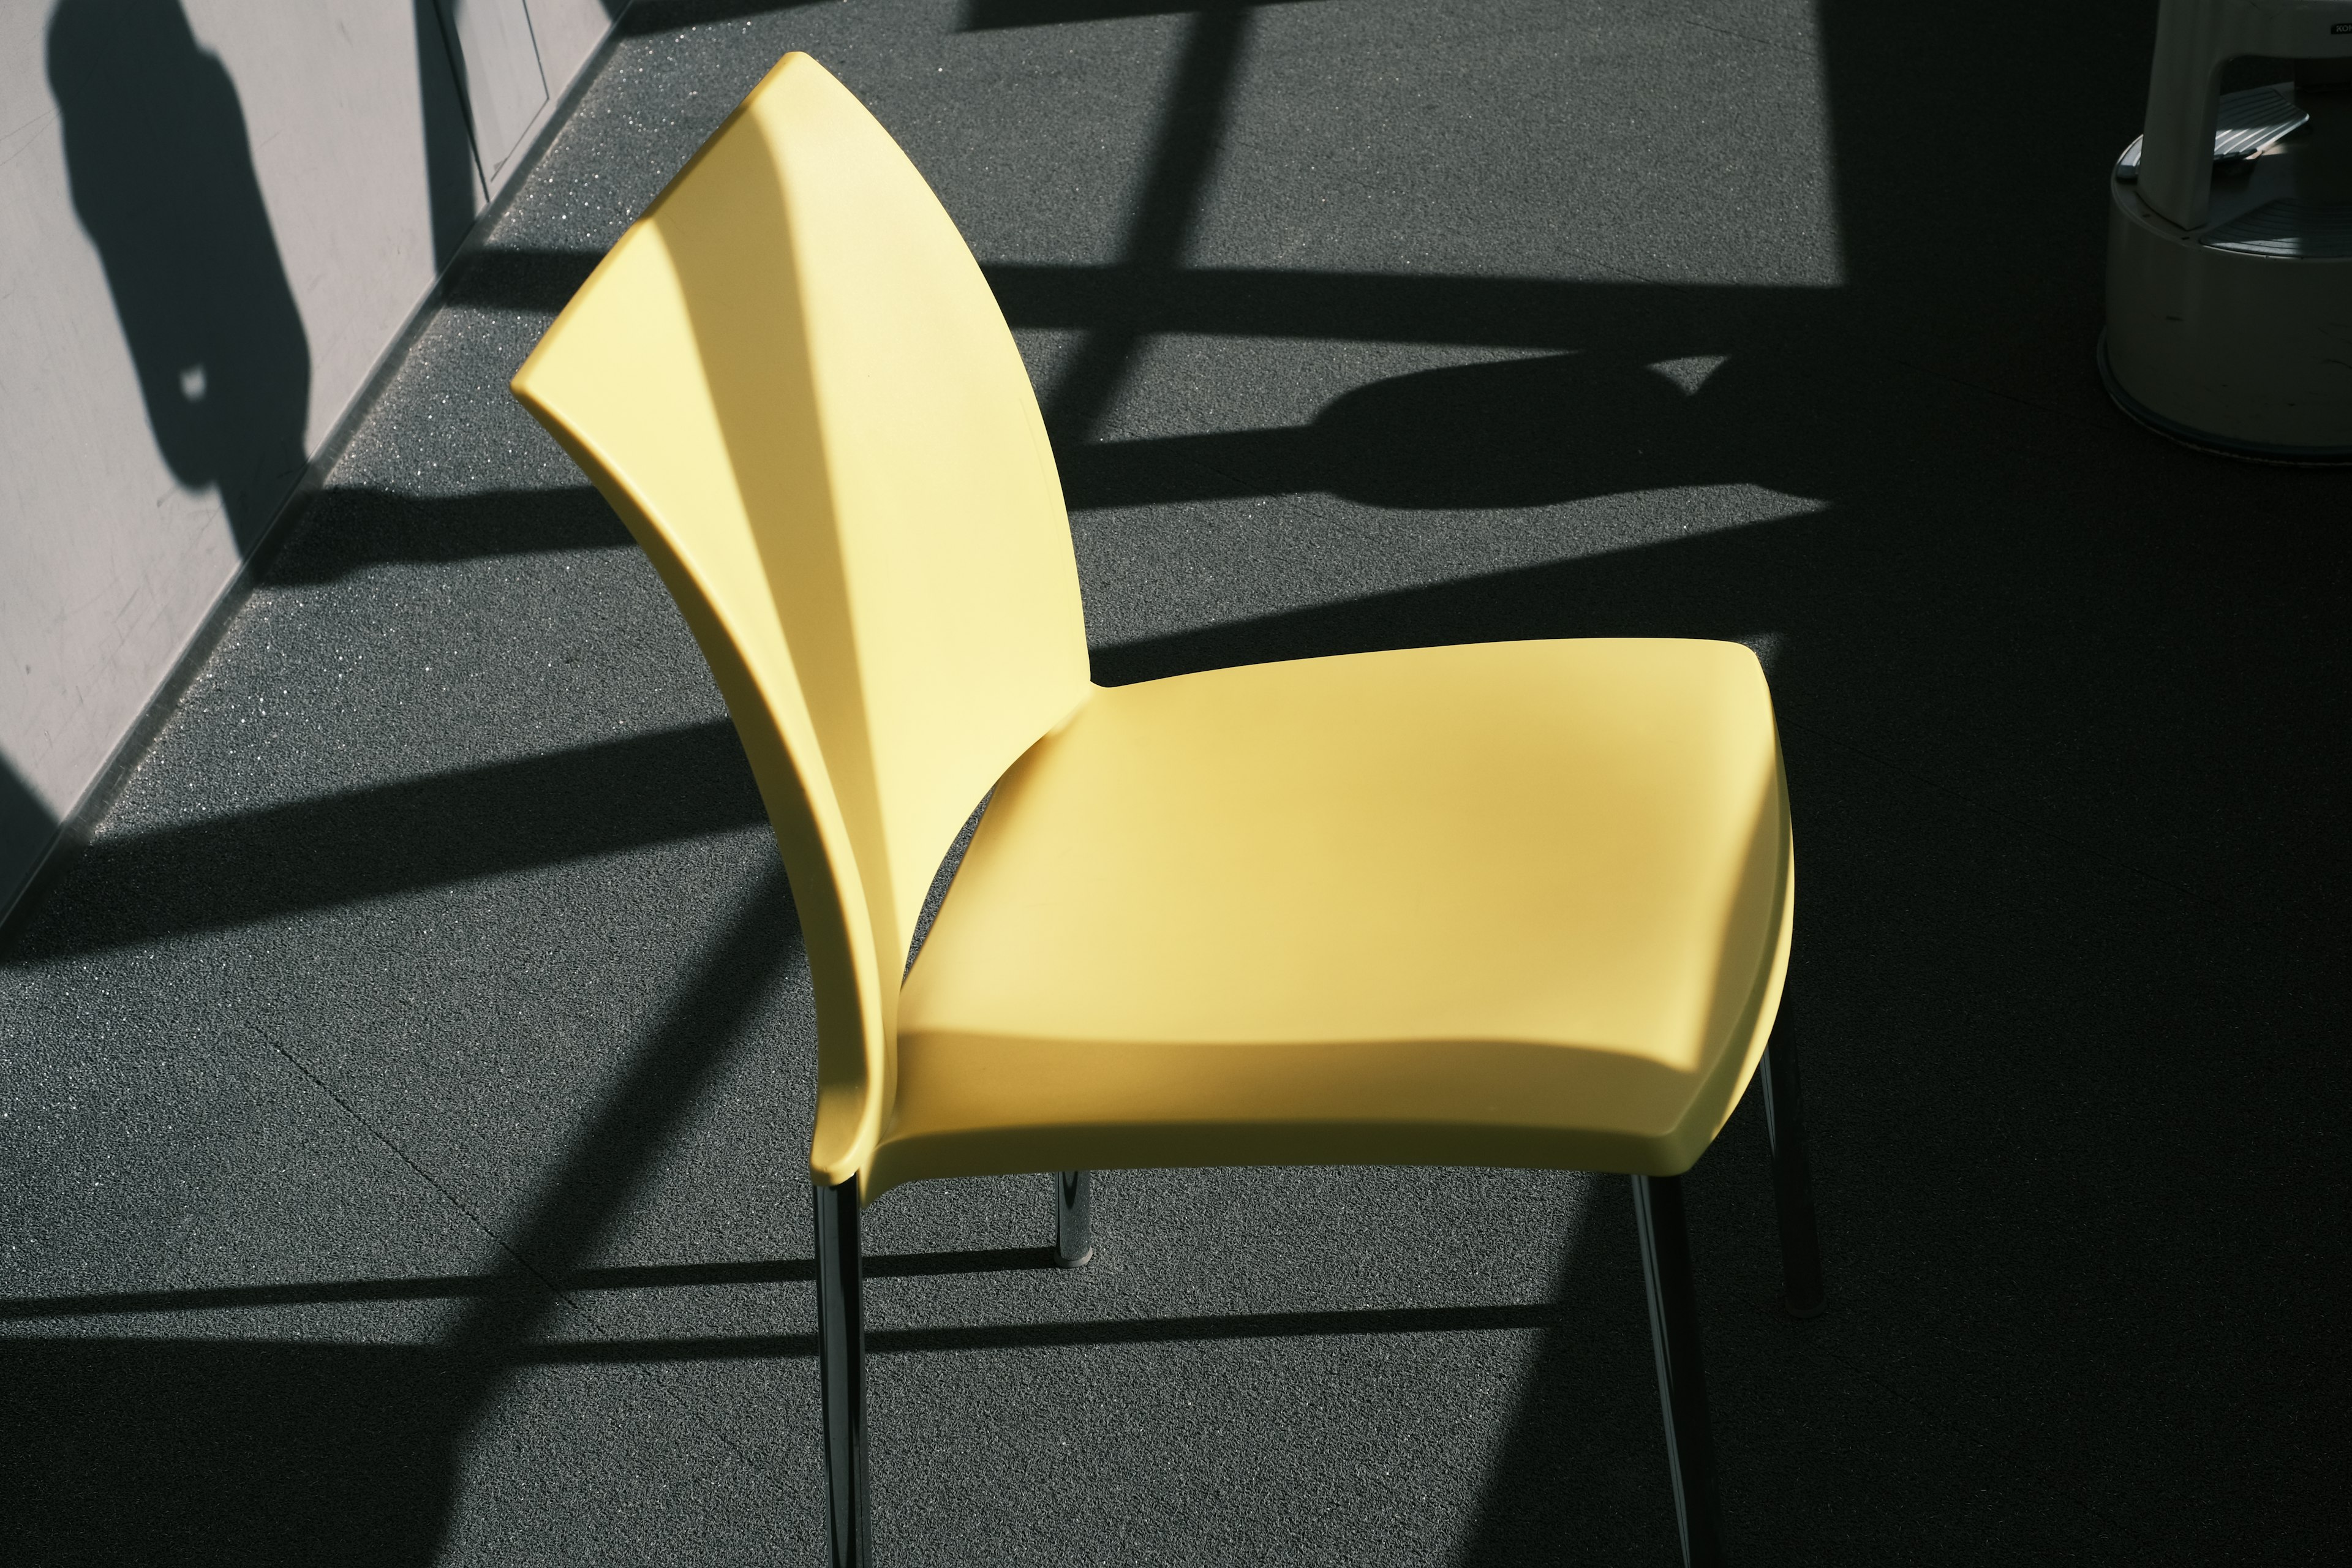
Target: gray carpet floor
column 403, row 1100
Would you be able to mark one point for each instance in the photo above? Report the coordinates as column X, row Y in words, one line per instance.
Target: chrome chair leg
column 1682, row 1389
column 841, row 1373
column 1074, row 1238
column 1792, row 1183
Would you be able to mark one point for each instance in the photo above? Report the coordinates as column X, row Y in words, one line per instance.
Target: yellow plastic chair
column 1512, row 904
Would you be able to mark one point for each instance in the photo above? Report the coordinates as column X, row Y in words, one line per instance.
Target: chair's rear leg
column 1074, row 1237
column 1792, row 1183
column 841, row 1373
column 1682, row 1388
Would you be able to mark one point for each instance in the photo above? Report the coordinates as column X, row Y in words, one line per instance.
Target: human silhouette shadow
column 161, row 176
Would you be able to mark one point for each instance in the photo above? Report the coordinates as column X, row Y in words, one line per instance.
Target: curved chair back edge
column 854, row 1076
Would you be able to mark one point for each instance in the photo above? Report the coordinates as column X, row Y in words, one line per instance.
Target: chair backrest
column 792, row 381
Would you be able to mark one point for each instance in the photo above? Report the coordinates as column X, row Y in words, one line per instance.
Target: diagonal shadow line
column 1165, row 216
column 985, row 15
column 1643, row 591
column 347, row 531
column 1667, row 319
column 609, row 1163
column 528, row 281
column 236, row 1451
column 1168, row 469
column 372, row 843
column 439, row 1288
column 1049, row 1336
column 1670, row 319
column 649, row 16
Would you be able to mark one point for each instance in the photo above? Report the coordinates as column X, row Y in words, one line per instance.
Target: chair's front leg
column 841, row 1373
column 1682, row 1389
column 1792, row 1182
column 1074, row 1239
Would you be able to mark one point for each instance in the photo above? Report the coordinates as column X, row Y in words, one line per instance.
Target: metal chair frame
column 1665, row 1275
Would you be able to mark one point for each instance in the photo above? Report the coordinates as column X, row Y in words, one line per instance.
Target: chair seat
column 1512, row 904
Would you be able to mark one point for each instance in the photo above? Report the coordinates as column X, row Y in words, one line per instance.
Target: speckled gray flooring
column 403, row 1103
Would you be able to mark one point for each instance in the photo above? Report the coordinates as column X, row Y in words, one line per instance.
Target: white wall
column 257, row 273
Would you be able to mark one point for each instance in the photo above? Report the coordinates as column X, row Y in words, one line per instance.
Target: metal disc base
column 2218, row 445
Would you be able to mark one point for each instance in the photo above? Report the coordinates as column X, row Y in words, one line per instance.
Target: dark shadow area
column 1928, row 280
column 453, row 182
column 1667, row 319
column 163, row 180
column 480, row 822
column 981, row 16
column 26, row 829
column 539, row 281
column 197, row 1453
column 1166, row 212
column 347, row 531
column 653, row 1277
column 1583, row 1475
